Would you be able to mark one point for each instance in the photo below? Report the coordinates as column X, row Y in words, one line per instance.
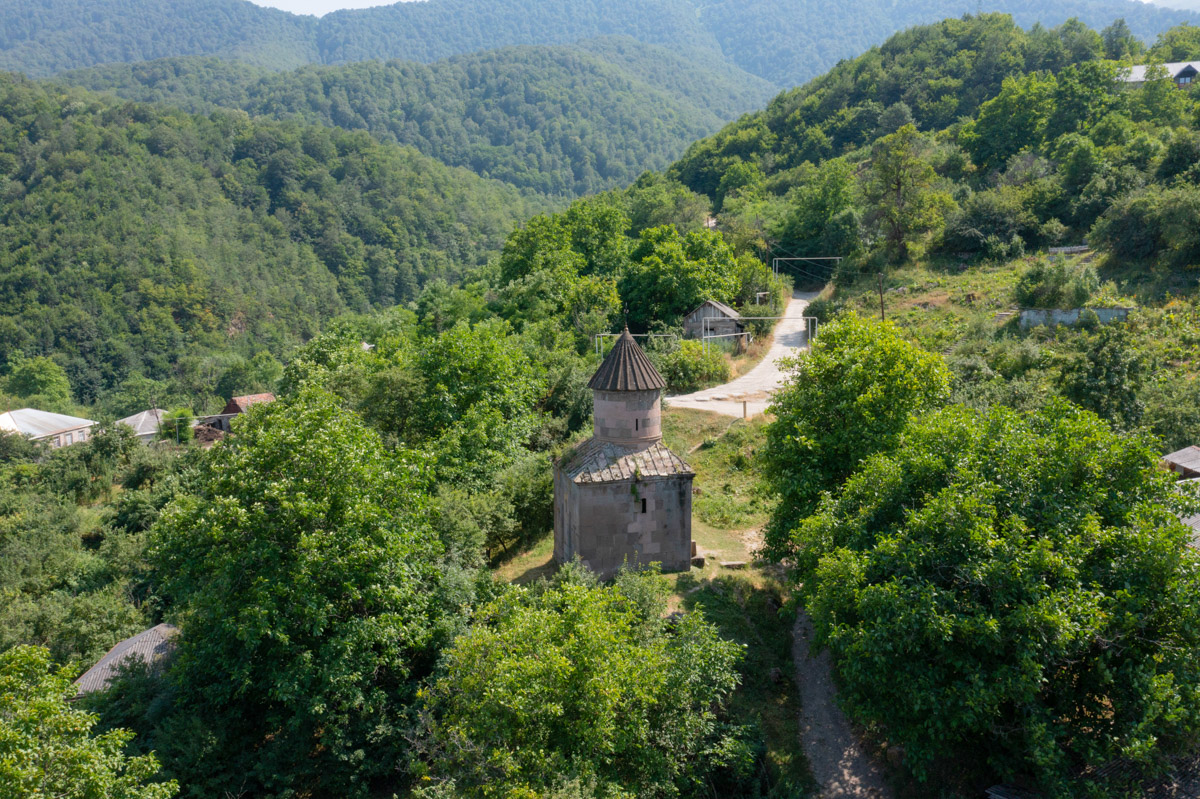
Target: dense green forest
column 557, row 120
column 42, row 38
column 784, row 41
column 143, row 241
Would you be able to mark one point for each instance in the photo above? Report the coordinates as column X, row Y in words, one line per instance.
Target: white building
column 1184, row 73
column 56, row 429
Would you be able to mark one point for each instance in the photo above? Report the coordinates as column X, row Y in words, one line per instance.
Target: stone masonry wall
column 628, row 417
column 604, row 524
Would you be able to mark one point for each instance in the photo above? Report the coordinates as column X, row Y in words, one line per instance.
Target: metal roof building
column 1182, row 72
column 151, row 647
column 58, row 429
column 145, row 424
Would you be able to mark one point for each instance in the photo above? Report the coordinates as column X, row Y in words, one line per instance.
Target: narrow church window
column 643, row 506
column 636, row 422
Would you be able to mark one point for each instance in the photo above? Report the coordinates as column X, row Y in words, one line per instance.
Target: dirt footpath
column 838, row 762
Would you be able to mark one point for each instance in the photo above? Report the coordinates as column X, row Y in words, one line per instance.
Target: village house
column 235, row 407
column 722, row 321
column 1184, row 73
column 56, row 429
column 1185, row 463
column 622, row 497
column 145, row 425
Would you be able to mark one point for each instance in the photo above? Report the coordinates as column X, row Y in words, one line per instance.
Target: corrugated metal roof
column 1186, row 458
column 145, row 423
column 720, row 306
column 604, row 462
column 40, row 424
column 1138, row 74
column 627, row 369
column 151, row 646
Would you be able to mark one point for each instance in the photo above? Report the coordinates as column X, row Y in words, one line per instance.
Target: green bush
column 1055, row 284
column 1155, row 223
column 687, row 367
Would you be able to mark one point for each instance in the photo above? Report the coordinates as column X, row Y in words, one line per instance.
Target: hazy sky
column 320, row 7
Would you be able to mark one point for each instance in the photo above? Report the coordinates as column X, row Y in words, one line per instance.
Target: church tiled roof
column 627, row 369
column 603, row 462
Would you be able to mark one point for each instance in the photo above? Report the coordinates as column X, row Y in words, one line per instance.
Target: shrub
column 687, row 367
column 1153, row 224
column 1046, row 284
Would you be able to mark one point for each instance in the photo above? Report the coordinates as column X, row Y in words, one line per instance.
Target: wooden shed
column 722, row 321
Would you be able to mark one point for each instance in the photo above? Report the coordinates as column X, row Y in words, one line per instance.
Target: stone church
column 622, row 496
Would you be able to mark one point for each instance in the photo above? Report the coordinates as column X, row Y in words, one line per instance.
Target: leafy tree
column 808, row 228
column 1180, row 43
column 1023, row 575
column 671, row 274
column 1047, row 284
column 307, row 589
column 1012, row 121
column 901, row 193
column 1105, row 376
column 845, row 400
column 176, row 425
column 39, row 379
column 1119, row 41
column 569, row 681
column 47, row 747
column 687, row 367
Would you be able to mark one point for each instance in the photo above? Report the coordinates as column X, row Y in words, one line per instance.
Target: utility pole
column 882, row 317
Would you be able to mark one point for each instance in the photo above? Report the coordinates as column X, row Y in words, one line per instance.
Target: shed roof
column 720, row 306
column 243, row 403
column 604, row 462
column 145, row 423
column 151, row 647
column 40, row 424
column 1186, row 458
column 1138, row 74
column 626, row 369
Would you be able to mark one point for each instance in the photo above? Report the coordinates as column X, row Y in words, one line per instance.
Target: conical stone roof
column 627, row 369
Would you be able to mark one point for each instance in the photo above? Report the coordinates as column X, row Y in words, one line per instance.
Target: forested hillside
column 1010, row 139
column 48, row 36
column 784, row 41
column 135, row 236
column 557, row 120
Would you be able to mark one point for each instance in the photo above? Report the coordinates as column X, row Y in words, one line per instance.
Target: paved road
column 838, row 762
column 757, row 385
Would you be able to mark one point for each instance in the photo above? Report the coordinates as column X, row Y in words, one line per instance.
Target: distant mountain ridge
column 558, row 120
column 784, row 41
